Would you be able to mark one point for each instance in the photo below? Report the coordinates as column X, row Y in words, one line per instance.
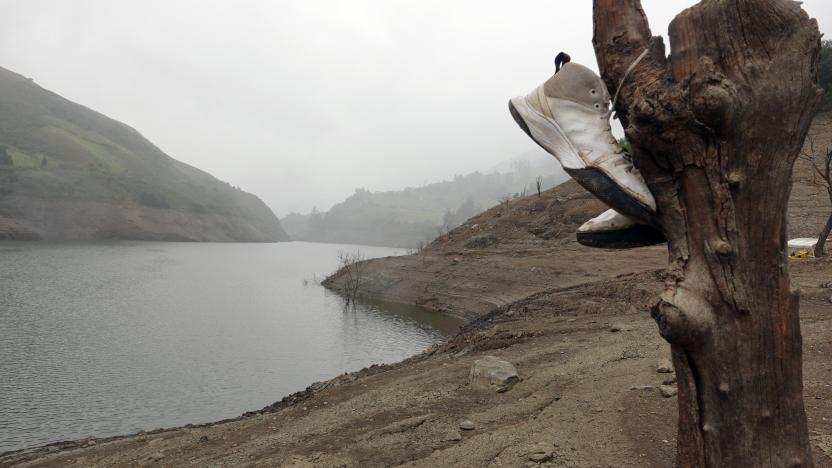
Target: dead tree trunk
column 715, row 129
column 824, row 234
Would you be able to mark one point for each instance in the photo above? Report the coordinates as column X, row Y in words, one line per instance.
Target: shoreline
column 287, row 401
column 581, row 381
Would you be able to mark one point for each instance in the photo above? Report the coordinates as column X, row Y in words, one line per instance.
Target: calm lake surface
column 107, row 338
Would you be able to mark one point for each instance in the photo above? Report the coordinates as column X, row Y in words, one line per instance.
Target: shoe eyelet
column 594, row 92
column 597, row 106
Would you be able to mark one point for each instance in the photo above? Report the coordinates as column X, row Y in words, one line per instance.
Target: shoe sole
column 596, row 181
column 520, row 122
column 628, row 238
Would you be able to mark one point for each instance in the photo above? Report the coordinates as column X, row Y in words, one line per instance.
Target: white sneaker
column 612, row 230
column 568, row 116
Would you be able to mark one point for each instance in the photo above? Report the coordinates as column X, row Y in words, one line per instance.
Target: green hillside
column 69, row 172
column 410, row 217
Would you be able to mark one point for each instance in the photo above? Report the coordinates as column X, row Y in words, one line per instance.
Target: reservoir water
column 108, row 338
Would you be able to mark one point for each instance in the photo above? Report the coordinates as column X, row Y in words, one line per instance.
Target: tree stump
column 716, row 128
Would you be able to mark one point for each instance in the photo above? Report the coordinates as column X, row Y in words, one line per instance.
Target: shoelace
column 627, row 157
column 623, row 79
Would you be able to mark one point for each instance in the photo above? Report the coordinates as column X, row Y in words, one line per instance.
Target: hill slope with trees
column 412, row 217
column 68, row 172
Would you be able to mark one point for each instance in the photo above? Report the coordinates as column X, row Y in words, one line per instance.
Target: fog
column 302, row 102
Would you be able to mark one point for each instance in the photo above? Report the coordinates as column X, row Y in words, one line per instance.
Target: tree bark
column 716, row 128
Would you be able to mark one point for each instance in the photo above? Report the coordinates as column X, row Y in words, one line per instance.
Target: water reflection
column 426, row 319
column 105, row 338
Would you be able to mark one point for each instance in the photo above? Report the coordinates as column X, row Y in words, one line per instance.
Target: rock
column 157, row 456
column 467, row 425
column 490, row 332
column 142, row 437
column 668, row 391
column 664, row 366
column 455, row 261
column 203, row 439
column 301, row 462
column 642, row 387
column 405, row 425
column 540, row 453
column 618, row 327
column 540, row 457
column 453, row 435
column 91, row 443
column 490, row 373
column 632, row 310
column 670, row 380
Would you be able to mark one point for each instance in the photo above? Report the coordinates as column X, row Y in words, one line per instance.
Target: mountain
column 537, row 159
column 68, row 172
column 412, row 217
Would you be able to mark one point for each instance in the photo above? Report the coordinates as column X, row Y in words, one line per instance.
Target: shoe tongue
column 576, row 83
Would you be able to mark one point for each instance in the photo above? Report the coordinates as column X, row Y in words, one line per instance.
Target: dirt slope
column 510, row 252
column 503, row 255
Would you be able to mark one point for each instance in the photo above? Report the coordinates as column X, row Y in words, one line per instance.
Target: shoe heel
column 630, row 238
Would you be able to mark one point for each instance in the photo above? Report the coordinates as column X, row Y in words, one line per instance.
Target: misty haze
column 370, row 234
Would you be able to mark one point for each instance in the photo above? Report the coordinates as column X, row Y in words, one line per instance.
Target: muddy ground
column 589, row 395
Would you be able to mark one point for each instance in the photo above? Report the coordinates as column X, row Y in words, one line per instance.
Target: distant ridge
column 414, row 216
column 68, row 172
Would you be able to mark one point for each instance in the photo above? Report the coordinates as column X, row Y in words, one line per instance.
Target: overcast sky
column 300, row 102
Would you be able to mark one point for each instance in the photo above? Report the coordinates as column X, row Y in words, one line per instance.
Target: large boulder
column 490, row 373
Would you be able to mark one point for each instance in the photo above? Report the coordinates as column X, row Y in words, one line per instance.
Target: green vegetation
column 152, row 200
column 406, row 218
column 624, row 143
column 825, row 75
column 53, row 149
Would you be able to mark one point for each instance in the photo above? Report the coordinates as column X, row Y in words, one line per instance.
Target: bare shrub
column 354, row 267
